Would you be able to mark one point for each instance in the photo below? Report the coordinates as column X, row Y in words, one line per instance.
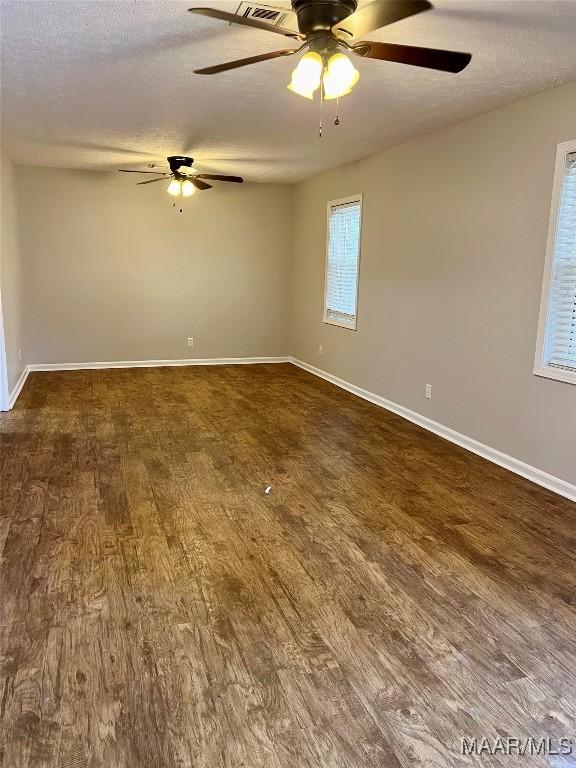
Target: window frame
column 541, row 368
column 351, row 326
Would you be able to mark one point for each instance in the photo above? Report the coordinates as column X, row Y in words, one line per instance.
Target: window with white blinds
column 557, row 337
column 342, row 261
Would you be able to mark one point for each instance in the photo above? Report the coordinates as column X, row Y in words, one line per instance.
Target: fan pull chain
column 336, row 119
column 321, row 105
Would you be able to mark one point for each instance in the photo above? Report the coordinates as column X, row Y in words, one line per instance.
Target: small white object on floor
column 268, row 489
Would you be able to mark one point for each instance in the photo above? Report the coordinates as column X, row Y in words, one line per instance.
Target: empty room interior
column 288, row 436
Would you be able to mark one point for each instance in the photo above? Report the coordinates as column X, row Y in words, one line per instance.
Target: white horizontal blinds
column 343, row 254
column 560, row 349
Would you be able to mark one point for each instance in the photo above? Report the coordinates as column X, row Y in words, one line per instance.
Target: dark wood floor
column 390, row 595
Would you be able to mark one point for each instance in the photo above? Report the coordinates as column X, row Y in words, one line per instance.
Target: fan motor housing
column 321, row 15
column 176, row 161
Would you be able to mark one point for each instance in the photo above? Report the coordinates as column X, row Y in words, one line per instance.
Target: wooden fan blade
column 157, row 173
column 430, row 58
column 233, row 18
column 198, row 183
column 218, row 177
column 379, row 14
column 151, row 181
column 243, row 62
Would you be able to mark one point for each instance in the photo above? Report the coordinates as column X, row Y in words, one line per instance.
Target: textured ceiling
column 103, row 84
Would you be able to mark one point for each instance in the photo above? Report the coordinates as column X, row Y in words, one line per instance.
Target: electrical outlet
column 320, row 350
column 19, row 354
column 429, row 391
column 190, row 341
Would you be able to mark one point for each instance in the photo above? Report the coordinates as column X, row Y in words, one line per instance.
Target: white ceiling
column 101, row 84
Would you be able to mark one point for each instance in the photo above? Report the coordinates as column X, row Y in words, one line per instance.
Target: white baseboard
column 562, row 487
column 156, row 363
column 13, row 396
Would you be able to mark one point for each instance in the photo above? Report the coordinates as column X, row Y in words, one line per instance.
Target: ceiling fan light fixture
column 340, row 76
column 307, row 76
column 188, row 188
column 323, row 27
column 174, row 188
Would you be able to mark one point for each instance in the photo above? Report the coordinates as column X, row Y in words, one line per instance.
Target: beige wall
column 453, row 244
column 10, row 274
column 113, row 272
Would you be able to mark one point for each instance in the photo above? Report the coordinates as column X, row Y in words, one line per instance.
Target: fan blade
column 150, row 181
column 199, row 184
column 245, row 22
column 156, row 173
column 243, row 62
column 430, row 58
column 379, row 14
column 218, row 177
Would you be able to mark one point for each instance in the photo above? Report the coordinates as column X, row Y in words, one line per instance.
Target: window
column 556, row 348
column 342, row 260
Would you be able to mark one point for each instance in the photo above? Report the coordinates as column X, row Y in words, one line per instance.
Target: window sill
column 558, row 374
column 340, row 323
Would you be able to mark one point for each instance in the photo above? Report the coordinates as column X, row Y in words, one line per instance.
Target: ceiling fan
column 184, row 180
column 328, row 27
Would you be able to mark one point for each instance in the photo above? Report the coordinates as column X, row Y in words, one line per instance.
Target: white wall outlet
column 19, row 354
column 190, row 341
column 320, row 350
column 429, row 391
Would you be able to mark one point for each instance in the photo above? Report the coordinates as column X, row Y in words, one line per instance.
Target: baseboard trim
column 155, row 363
column 538, row 476
column 13, row 396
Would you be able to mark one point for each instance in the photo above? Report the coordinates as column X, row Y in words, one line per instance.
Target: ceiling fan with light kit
column 330, row 29
column 184, row 180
